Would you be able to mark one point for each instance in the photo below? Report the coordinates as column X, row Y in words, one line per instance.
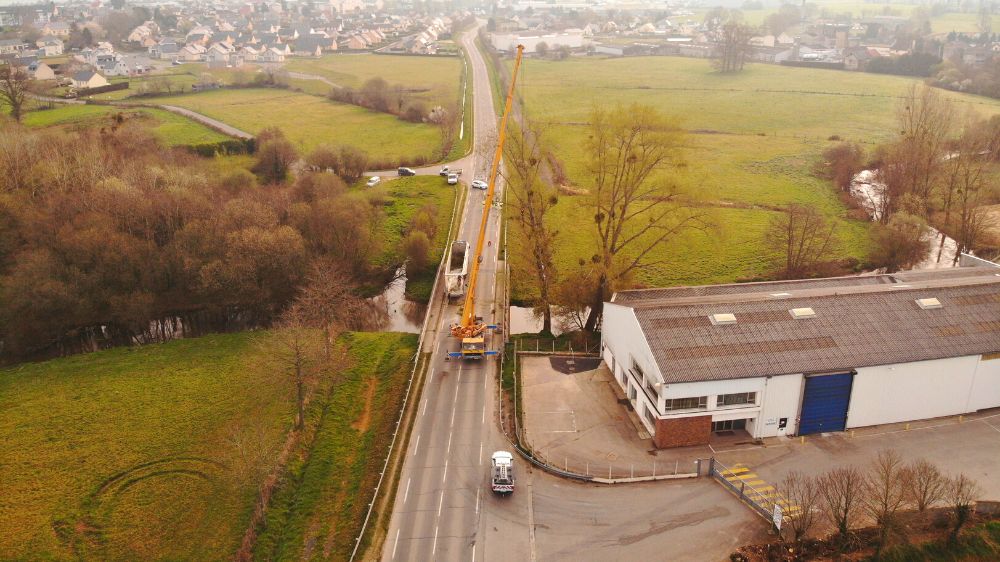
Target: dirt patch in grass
column 365, row 419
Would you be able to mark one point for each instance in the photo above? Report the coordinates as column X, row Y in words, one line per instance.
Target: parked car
column 373, row 181
column 444, row 171
column 479, row 184
column 452, row 179
column 407, row 172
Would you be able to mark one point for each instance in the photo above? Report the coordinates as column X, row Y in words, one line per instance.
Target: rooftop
column 818, row 325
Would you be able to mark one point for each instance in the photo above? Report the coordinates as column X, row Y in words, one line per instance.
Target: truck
column 456, row 276
column 502, row 473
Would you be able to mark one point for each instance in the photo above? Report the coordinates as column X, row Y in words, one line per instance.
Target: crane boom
column 469, row 327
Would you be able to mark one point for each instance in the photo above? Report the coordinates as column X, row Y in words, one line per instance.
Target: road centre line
column 395, row 544
column 416, row 446
column 444, row 475
column 440, row 503
column 435, row 547
column 407, row 494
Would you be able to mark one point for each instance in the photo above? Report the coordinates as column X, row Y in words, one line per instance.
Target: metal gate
column 825, row 402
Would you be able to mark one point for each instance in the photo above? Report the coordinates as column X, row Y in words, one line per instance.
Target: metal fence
column 763, row 502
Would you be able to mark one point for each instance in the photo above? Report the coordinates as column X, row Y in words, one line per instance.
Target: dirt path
column 318, row 78
column 364, row 421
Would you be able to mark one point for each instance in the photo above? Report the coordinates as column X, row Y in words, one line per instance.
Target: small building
column 88, row 79
column 42, row 71
column 49, row 46
column 12, row 46
column 790, row 358
column 271, row 55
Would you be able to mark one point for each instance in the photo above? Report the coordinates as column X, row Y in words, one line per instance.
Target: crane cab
column 473, row 348
column 502, row 473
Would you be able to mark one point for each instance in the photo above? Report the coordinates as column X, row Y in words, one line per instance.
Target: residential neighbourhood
column 569, row 280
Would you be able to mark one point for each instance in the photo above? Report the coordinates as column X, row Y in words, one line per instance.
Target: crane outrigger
column 471, row 329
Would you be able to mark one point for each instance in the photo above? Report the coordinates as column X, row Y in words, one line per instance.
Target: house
column 57, row 28
column 49, row 47
column 856, row 58
column 355, row 42
column 218, row 55
column 272, row 55
column 143, row 35
column 112, row 64
column 42, row 71
column 12, row 46
column 787, row 358
column 88, row 79
column 191, row 52
column 166, row 49
column 309, row 46
column 249, row 54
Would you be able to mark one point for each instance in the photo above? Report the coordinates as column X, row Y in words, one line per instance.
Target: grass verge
column 318, row 512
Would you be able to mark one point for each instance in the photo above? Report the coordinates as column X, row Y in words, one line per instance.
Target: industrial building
column 808, row 356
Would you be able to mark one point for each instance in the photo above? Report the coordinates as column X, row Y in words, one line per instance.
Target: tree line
column 108, row 238
column 937, row 171
column 878, row 494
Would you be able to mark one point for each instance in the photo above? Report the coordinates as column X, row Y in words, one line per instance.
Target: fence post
column 654, row 469
column 588, row 468
column 675, row 466
column 609, row 471
column 743, row 485
column 697, row 467
column 711, row 466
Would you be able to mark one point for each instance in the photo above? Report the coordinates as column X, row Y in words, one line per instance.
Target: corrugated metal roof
column 874, row 321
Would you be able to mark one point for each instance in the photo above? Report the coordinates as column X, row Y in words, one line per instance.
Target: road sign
column 777, row 516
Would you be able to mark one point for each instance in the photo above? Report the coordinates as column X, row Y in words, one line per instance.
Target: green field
column 433, row 79
column 170, row 128
column 754, row 139
column 318, row 515
column 130, row 454
column 404, row 197
column 126, row 454
column 964, row 22
column 310, row 121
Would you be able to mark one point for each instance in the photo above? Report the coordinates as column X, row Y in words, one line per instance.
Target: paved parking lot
column 969, row 446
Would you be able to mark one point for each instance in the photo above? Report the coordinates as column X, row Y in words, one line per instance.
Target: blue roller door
column 824, row 405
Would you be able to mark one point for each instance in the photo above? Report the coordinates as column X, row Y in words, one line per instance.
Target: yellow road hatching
column 758, row 490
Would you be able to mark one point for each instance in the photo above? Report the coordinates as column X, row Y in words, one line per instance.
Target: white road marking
column 450, row 433
column 395, row 544
column 480, row 454
column 435, row 548
column 425, row 408
column 478, row 494
column 416, row 446
column 440, row 503
column 407, row 493
column 444, row 475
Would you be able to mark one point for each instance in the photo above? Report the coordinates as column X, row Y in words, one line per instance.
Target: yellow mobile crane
column 471, row 329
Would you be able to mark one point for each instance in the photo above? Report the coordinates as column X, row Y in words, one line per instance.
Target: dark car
column 407, row 172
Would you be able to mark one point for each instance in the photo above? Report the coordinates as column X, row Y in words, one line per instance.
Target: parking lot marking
column 757, row 489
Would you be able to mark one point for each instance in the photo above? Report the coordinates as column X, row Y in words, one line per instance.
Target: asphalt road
column 444, row 509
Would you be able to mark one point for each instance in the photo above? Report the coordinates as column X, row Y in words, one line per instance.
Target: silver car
column 479, row 184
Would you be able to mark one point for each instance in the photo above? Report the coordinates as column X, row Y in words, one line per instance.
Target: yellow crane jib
column 471, row 328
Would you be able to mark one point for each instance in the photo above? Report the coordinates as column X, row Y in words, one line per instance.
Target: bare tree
column 733, row 49
column 900, row 244
column 884, row 494
column 531, row 200
column 841, row 490
column 914, row 163
column 329, row 301
column 635, row 206
column 924, row 485
column 14, row 88
column 961, row 495
column 804, row 238
column 803, row 491
column 842, row 162
column 294, row 348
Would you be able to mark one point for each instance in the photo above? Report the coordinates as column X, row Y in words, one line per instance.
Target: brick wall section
column 681, row 432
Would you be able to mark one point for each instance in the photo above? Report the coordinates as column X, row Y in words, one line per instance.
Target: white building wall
column 510, row 41
column 782, row 397
column 911, row 391
column 985, row 391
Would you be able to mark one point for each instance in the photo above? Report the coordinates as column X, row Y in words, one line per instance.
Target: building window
column 738, row 399
column 649, row 416
column 695, row 403
column 729, row 425
column 651, row 389
column 637, row 370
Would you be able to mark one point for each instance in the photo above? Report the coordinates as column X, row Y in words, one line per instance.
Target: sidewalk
column 573, row 420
